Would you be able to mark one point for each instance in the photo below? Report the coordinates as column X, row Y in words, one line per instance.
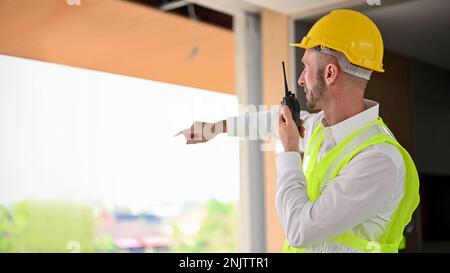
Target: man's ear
column 331, row 73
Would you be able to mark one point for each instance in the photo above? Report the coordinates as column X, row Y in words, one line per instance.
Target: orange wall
column 119, row 37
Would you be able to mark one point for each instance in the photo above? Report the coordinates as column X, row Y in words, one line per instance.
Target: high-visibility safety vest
column 319, row 174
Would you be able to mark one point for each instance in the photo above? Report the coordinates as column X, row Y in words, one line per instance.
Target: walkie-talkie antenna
column 286, row 90
column 290, row 101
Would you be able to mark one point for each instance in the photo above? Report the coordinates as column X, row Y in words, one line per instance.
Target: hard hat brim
column 311, row 45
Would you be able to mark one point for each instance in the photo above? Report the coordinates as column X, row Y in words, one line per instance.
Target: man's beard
column 316, row 93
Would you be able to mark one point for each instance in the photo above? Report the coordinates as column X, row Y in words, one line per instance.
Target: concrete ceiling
column 77, row 35
column 120, row 37
column 414, row 28
column 300, row 8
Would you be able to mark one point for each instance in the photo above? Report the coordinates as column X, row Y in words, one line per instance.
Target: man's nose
column 301, row 80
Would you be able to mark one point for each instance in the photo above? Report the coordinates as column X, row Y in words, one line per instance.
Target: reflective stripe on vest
column 319, row 174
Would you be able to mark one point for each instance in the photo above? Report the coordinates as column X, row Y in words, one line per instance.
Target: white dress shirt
column 362, row 198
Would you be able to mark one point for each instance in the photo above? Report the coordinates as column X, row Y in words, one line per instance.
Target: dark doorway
column 435, row 212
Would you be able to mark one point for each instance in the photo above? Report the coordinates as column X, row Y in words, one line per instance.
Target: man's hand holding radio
column 289, row 133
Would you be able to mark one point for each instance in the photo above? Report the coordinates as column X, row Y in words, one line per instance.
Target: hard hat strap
column 345, row 64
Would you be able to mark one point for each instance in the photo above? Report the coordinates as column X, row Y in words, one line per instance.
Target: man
column 348, row 186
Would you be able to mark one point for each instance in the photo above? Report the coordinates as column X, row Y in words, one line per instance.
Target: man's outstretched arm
column 261, row 125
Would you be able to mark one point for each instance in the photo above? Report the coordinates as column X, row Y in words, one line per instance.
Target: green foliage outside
column 31, row 226
column 218, row 233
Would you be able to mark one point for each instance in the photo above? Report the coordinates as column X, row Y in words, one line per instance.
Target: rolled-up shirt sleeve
column 259, row 125
column 358, row 193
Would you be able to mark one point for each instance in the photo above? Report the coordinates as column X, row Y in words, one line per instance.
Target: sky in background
column 76, row 134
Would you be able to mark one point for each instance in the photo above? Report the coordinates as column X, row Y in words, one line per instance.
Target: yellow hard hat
column 351, row 33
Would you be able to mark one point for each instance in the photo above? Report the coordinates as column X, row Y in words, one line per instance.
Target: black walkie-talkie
column 290, row 100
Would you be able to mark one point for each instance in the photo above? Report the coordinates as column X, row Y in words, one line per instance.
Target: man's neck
column 338, row 111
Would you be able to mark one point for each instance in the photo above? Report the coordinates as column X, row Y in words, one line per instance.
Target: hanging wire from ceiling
column 167, row 6
column 196, row 48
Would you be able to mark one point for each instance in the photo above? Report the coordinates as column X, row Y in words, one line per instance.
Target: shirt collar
column 346, row 127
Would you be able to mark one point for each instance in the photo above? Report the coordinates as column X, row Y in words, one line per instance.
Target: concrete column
column 248, row 82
